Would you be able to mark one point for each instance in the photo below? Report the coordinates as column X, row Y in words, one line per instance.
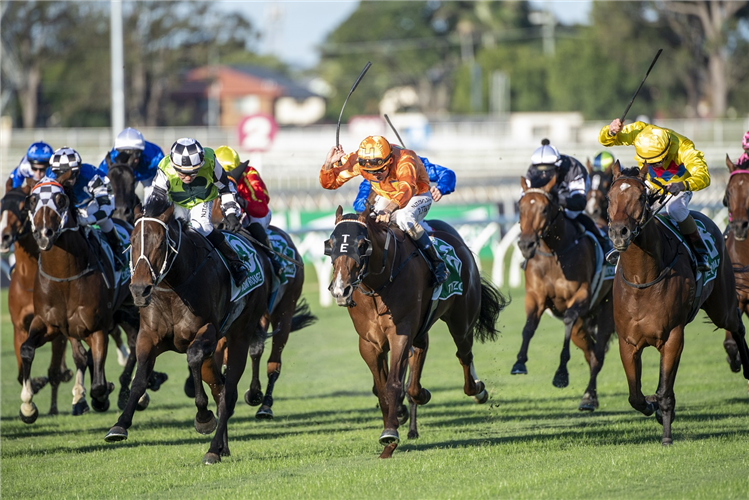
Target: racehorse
column 379, row 275
column 737, row 245
column 74, row 296
column 656, row 291
column 15, row 230
column 122, row 179
column 184, row 291
column 597, row 203
column 560, row 275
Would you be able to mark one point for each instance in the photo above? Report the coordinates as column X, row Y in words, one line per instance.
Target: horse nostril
column 624, row 231
column 347, row 291
column 146, row 291
column 47, row 233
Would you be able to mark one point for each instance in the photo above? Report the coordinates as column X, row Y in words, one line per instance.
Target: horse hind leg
column 572, row 322
column 280, row 337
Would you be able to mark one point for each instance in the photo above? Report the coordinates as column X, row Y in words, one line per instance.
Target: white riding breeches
column 677, row 207
column 414, row 211
column 200, row 217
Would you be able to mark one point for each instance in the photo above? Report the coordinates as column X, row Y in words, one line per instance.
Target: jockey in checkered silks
column 193, row 179
column 92, row 195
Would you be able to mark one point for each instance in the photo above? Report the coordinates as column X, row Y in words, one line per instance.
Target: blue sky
column 292, row 29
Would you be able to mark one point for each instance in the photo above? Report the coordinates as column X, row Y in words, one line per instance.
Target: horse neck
column 377, row 273
column 643, row 260
column 70, row 254
column 26, row 247
column 187, row 257
column 560, row 230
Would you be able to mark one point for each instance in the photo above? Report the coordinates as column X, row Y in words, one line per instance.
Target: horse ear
column 137, row 211
column 616, row 168
column 167, row 213
column 589, row 165
column 644, row 172
column 549, row 185
column 523, row 183
column 8, row 184
column 607, row 170
column 731, row 165
column 338, row 214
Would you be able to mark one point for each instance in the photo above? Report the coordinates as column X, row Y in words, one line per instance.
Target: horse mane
column 156, row 205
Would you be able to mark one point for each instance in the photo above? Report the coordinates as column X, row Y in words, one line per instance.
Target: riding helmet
column 39, row 152
column 652, row 144
column 129, row 139
column 545, row 157
column 65, row 159
column 187, row 155
column 375, row 151
column 603, row 160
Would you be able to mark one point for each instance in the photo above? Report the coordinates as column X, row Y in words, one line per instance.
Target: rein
column 545, row 232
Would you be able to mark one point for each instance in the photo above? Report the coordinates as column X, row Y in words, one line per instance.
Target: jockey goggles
column 375, row 162
column 39, row 167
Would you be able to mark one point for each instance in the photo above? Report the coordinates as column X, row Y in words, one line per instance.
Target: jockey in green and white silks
column 193, row 179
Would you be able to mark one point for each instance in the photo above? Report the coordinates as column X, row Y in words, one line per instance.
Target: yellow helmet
column 652, row 144
column 227, row 157
column 374, row 152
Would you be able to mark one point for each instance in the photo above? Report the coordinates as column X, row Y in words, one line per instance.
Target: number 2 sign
column 256, row 132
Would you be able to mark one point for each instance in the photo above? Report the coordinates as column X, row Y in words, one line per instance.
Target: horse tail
column 492, row 303
column 303, row 317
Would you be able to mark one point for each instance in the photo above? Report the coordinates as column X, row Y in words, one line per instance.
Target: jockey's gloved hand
column 386, row 213
column 232, row 223
column 675, row 188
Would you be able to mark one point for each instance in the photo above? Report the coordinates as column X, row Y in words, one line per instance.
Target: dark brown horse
column 15, row 231
column 122, row 179
column 184, row 291
column 656, row 291
column 737, row 245
column 386, row 285
column 597, row 204
column 74, row 296
column 560, row 275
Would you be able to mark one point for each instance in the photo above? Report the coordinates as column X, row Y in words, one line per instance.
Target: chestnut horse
column 74, row 295
column 184, row 291
column 386, row 285
column 656, row 291
column 560, row 275
column 15, row 231
column 737, row 245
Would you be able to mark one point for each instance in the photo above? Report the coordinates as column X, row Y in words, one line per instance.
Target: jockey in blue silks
column 443, row 176
column 33, row 165
column 143, row 156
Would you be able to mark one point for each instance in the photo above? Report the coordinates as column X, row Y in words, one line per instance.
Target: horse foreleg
column 595, row 351
column 38, row 330
column 670, row 356
column 632, row 363
column 533, row 311
column 399, row 351
column 738, row 333
column 254, row 395
column 80, row 358
column 57, row 371
column 376, row 360
column 145, row 352
column 572, row 322
column 202, row 348
column 100, row 388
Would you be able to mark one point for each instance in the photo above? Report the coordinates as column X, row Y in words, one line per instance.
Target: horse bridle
column 171, row 250
column 559, row 211
column 665, row 198
column 26, row 221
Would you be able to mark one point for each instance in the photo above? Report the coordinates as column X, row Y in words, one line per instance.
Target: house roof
column 243, row 80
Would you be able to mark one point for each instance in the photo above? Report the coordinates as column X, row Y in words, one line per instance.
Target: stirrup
column 702, row 263
column 612, row 257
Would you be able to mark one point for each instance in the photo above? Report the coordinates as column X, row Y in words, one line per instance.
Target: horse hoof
column 37, row 383
column 734, row 364
column 253, row 398
column 264, row 413
column 588, row 403
column 53, row 411
column 561, row 380
column 206, row 427
column 100, row 406
column 143, row 402
column 427, row 397
column 481, row 398
column 80, row 408
column 389, row 436
column 211, row 458
column 29, row 419
column 115, row 434
column 413, row 434
column 519, row 369
column 189, row 388
column 402, row 414
column 156, row 379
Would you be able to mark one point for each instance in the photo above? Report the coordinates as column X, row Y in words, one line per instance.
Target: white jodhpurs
column 677, row 207
column 414, row 211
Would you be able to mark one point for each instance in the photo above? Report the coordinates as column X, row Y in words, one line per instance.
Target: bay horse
column 656, row 291
column 597, row 202
column 380, row 277
column 184, row 293
column 737, row 245
column 15, row 232
column 122, row 179
column 74, row 296
column 560, row 275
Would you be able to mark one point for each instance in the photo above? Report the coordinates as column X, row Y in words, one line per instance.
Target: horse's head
column 122, row 179
column 49, row 209
column 349, row 247
column 598, row 204
column 628, row 205
column 14, row 217
column 538, row 211
column 152, row 249
column 737, row 199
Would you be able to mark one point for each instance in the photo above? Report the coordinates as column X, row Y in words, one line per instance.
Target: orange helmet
column 374, row 152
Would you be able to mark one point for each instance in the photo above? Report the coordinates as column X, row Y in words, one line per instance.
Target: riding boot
column 689, row 230
column 120, row 261
column 259, row 233
column 435, row 261
column 236, row 266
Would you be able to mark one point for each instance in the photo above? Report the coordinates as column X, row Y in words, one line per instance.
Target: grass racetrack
column 528, row 441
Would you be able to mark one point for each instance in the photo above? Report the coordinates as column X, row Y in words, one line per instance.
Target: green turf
column 528, row 441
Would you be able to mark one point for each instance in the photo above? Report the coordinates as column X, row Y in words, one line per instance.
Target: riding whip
column 395, row 131
column 638, row 88
column 353, row 87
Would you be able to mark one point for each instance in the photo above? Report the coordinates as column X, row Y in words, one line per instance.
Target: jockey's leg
column 678, row 209
column 109, row 231
column 200, row 220
column 257, row 229
column 408, row 219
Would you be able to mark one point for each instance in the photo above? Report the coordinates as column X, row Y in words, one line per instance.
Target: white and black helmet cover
column 65, row 159
column 187, row 155
column 546, row 155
